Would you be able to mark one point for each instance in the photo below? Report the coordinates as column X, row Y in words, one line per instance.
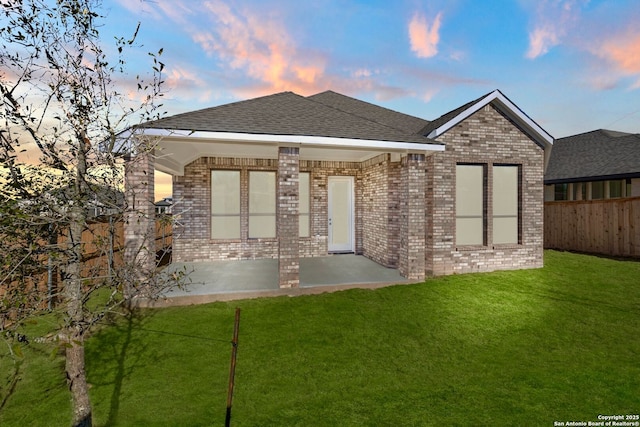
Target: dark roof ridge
column 609, row 133
column 364, row 102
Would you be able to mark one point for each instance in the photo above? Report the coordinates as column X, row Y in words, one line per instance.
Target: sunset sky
column 573, row 66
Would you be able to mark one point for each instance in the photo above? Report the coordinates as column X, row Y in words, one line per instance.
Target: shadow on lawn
column 110, row 360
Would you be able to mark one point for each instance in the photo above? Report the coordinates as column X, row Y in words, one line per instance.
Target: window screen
column 304, row 205
column 262, row 204
column 505, row 204
column 225, row 204
column 470, row 205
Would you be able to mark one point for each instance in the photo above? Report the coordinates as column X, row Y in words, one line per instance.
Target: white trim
column 321, row 141
column 516, row 113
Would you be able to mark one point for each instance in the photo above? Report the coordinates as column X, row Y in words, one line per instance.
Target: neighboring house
column 601, row 164
column 286, row 176
column 163, row 207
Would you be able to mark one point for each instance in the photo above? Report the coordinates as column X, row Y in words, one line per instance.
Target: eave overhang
column 177, row 148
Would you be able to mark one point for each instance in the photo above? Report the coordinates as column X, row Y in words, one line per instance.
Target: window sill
column 500, row 246
column 507, row 246
column 471, row 248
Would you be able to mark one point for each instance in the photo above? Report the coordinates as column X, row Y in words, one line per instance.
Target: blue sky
column 571, row 65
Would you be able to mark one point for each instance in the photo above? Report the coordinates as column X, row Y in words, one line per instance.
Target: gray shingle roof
column 289, row 114
column 599, row 154
column 371, row 112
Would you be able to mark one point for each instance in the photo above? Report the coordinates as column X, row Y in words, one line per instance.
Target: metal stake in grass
column 232, row 370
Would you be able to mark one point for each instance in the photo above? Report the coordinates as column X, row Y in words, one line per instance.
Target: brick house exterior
column 383, row 182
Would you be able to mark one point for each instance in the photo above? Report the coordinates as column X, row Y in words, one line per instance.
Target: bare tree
column 62, row 96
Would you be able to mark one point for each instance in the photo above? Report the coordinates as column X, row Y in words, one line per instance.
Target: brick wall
column 287, row 217
column 487, row 137
column 139, row 218
column 411, row 251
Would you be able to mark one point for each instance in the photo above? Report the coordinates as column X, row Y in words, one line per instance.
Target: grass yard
column 510, row 348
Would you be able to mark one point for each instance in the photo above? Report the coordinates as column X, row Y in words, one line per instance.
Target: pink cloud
column 622, row 53
column 424, row 37
column 261, row 47
column 552, row 20
column 541, row 40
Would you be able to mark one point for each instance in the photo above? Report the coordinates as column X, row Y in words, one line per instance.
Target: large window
column 470, row 220
column 505, row 204
column 262, row 204
column 304, row 205
column 225, row 204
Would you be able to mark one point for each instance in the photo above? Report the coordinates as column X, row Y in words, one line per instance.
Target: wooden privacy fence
column 103, row 250
column 608, row 227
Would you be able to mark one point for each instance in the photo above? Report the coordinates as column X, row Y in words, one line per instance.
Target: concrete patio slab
column 230, row 280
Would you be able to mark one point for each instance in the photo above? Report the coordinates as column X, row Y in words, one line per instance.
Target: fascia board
column 509, row 107
column 318, row 141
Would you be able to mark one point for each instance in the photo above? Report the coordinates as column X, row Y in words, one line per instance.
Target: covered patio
column 231, row 280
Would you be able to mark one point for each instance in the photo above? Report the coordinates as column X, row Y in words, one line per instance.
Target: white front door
column 341, row 214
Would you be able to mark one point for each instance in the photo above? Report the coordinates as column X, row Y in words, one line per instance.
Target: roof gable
column 599, row 154
column 503, row 104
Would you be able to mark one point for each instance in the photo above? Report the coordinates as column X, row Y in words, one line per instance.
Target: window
column 304, row 205
column 225, row 204
column 470, row 219
column 627, row 187
column 597, row 190
column 262, row 204
column 561, row 192
column 505, row 204
column 616, row 188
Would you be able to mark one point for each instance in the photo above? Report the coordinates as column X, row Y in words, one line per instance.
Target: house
column 286, row 176
column 163, row 207
column 601, row 164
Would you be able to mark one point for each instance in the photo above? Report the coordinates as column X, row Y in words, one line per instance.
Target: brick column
column 287, row 217
column 412, row 217
column 139, row 219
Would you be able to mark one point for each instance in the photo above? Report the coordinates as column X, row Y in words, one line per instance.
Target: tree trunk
column 74, row 295
column 78, row 383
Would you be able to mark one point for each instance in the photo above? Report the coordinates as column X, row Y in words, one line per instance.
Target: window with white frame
column 505, row 204
column 304, row 205
column 470, row 209
column 225, row 204
column 262, row 204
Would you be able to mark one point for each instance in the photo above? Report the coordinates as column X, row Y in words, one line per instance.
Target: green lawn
column 511, row 348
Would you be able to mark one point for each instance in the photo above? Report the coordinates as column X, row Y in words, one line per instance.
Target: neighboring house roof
column 167, row 201
column 596, row 155
column 286, row 113
column 496, row 98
